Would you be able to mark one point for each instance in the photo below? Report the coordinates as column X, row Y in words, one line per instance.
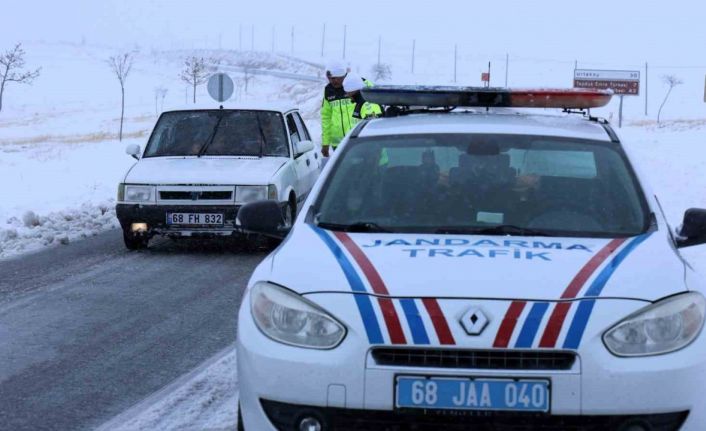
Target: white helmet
column 353, row 83
column 336, row 70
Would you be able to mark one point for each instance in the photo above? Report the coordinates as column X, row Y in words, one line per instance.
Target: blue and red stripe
column 561, row 309
column 583, row 313
column 365, row 306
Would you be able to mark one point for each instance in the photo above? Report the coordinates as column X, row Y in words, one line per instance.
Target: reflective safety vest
column 337, row 114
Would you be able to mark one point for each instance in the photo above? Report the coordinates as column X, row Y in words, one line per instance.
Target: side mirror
column 693, row 229
column 302, row 147
column 133, row 150
column 263, row 217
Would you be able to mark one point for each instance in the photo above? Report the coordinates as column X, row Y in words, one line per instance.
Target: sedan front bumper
column 156, row 218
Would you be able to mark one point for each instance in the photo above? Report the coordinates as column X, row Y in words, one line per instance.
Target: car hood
column 483, row 267
column 205, row 170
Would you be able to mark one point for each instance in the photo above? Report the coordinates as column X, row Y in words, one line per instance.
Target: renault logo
column 474, row 321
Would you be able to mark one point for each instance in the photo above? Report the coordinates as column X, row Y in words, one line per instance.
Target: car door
column 314, row 168
column 301, row 162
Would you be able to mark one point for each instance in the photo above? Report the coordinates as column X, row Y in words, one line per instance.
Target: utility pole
column 323, row 40
column 507, row 67
column 646, row 85
column 414, row 46
column 240, row 37
column 489, row 78
column 273, row 38
column 252, row 37
column 292, row 40
column 455, row 60
column 345, row 34
column 379, row 47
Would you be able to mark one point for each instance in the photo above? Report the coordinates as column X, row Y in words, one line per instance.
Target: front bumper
column 156, row 218
column 348, row 390
column 286, row 417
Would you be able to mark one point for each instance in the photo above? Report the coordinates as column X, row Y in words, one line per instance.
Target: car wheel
column 133, row 242
column 241, row 427
column 290, row 213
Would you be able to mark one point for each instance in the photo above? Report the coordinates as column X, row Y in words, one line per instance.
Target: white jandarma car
column 475, row 270
column 202, row 164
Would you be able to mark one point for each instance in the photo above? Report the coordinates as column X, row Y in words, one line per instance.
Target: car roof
column 246, row 106
column 497, row 121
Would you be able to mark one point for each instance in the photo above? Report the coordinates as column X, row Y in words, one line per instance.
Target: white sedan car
column 463, row 270
column 201, row 165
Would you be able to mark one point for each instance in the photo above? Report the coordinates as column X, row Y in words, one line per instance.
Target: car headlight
column 247, row 194
column 138, row 193
column 663, row 327
column 288, row 318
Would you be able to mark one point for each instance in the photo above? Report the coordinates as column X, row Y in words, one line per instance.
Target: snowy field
column 60, row 163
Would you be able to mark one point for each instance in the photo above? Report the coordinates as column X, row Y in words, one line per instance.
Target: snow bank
column 34, row 231
column 205, row 399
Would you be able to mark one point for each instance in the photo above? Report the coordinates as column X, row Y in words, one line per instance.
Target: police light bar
column 444, row 97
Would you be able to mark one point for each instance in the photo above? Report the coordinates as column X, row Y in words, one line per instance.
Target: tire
column 289, row 213
column 133, row 242
column 241, row 427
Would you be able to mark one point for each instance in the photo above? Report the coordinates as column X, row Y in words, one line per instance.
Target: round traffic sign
column 220, row 87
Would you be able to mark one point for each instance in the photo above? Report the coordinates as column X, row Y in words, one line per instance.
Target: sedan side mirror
column 133, row 150
column 263, row 217
column 693, row 229
column 302, row 147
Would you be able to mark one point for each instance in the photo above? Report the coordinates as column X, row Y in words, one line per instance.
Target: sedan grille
column 476, row 359
column 194, row 196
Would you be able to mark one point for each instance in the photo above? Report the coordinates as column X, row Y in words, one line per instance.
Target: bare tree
column 197, row 71
column 121, row 65
column 159, row 94
column 671, row 81
column 11, row 64
column 381, row 72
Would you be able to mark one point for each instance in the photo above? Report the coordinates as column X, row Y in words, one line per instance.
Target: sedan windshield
column 219, row 133
column 483, row 184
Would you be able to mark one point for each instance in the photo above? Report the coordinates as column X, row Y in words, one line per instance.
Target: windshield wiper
column 504, row 229
column 203, row 149
column 360, row 226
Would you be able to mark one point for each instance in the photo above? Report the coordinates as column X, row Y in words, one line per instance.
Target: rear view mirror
column 133, row 150
column 263, row 217
column 693, row 229
column 302, row 147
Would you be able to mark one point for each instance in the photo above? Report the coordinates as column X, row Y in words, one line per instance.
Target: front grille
column 286, row 417
column 189, row 196
column 476, row 359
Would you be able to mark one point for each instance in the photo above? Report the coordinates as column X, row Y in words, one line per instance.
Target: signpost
column 220, row 87
column 621, row 82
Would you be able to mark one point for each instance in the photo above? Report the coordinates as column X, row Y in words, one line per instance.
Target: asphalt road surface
column 89, row 329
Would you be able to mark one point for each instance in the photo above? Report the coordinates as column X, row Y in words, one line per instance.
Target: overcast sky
column 671, row 32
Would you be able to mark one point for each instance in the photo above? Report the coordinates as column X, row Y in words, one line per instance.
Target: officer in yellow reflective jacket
column 338, row 108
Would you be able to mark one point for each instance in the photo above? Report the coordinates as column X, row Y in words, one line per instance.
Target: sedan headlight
column 288, row 318
column 663, row 327
column 247, row 194
column 138, row 193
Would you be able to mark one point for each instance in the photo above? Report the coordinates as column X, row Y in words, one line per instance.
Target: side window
column 293, row 132
column 303, row 131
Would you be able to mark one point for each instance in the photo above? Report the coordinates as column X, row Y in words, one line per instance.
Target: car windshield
column 219, row 133
column 487, row 184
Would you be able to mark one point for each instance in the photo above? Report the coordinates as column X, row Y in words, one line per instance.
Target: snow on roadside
column 205, row 399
